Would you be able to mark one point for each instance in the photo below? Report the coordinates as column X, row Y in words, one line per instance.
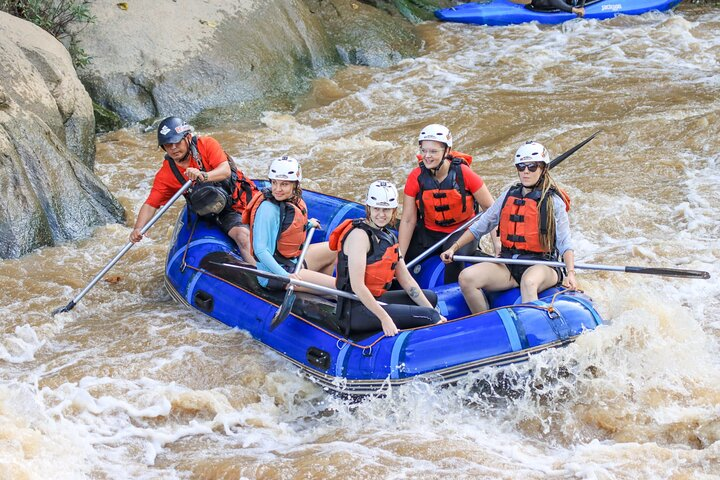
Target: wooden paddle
column 122, row 252
column 289, row 299
column 553, row 163
column 667, row 272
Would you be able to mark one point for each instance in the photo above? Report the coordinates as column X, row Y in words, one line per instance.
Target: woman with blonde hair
column 533, row 223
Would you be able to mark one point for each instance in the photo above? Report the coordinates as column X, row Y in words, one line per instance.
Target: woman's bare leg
column 320, row 258
column 489, row 276
column 536, row 279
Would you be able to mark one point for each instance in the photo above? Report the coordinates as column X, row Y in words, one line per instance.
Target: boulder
column 154, row 58
column 365, row 35
column 48, row 191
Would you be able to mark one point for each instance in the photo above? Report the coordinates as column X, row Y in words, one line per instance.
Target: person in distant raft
column 220, row 192
column 368, row 262
column 441, row 194
column 532, row 219
column 561, row 5
column 278, row 219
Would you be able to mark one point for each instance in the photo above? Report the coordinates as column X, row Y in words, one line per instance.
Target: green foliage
column 63, row 19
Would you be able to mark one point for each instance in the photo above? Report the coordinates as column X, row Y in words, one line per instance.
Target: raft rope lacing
column 343, row 340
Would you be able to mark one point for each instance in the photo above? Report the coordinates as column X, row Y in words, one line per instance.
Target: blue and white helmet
column 382, row 194
column 172, row 130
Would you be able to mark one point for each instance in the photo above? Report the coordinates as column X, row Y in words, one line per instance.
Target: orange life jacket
column 293, row 223
column 446, row 203
column 245, row 189
column 523, row 220
column 382, row 257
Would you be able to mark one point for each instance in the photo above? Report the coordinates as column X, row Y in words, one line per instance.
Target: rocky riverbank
column 154, row 58
column 149, row 59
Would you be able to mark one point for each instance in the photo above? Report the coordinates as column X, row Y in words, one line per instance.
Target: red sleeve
column 211, row 152
column 412, row 188
column 164, row 186
column 473, row 181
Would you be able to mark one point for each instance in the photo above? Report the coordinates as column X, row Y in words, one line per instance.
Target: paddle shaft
column 303, row 252
column 300, row 283
column 124, row 250
column 430, row 250
column 553, row 163
column 668, row 272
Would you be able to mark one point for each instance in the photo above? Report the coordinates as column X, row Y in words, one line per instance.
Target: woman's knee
column 469, row 279
column 529, row 282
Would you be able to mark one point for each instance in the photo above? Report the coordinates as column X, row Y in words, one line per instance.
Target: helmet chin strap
column 187, row 153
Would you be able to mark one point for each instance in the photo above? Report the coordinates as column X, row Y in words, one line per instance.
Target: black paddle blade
column 284, row 310
column 670, row 272
column 556, row 161
column 66, row 308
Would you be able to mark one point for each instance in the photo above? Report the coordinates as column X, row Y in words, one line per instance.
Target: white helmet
column 532, row 152
column 438, row 133
column 285, row 168
column 382, row 194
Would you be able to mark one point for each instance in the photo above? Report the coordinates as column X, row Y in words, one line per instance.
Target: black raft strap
column 445, row 223
column 517, row 218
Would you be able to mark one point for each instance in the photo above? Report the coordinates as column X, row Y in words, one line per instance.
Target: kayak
column 504, row 12
column 204, row 271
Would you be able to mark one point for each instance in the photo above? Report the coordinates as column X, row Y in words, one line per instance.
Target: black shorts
column 229, row 219
column 517, row 271
column 423, row 239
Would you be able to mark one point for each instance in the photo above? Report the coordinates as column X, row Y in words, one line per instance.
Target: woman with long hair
column 532, row 219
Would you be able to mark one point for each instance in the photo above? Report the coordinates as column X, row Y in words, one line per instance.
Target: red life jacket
column 239, row 188
column 382, row 257
column 446, row 203
column 293, row 223
column 523, row 220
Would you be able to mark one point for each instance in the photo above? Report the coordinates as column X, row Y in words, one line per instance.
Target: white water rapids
column 132, row 385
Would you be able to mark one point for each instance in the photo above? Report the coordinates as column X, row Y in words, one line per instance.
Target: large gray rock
column 48, row 192
column 365, row 35
column 161, row 57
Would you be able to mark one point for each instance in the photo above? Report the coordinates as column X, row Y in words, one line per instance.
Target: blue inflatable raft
column 504, row 12
column 202, row 271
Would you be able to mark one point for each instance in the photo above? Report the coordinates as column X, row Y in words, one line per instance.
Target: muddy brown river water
column 132, row 385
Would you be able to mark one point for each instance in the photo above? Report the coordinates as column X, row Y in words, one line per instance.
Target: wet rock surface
column 48, row 191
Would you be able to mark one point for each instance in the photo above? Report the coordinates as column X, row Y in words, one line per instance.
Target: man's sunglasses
column 532, row 166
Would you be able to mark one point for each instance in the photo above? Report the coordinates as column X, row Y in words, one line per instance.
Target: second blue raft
column 504, row 12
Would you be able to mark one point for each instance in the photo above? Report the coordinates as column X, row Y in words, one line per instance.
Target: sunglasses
column 531, row 166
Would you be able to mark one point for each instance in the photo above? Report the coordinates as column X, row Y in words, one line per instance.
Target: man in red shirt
column 202, row 160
